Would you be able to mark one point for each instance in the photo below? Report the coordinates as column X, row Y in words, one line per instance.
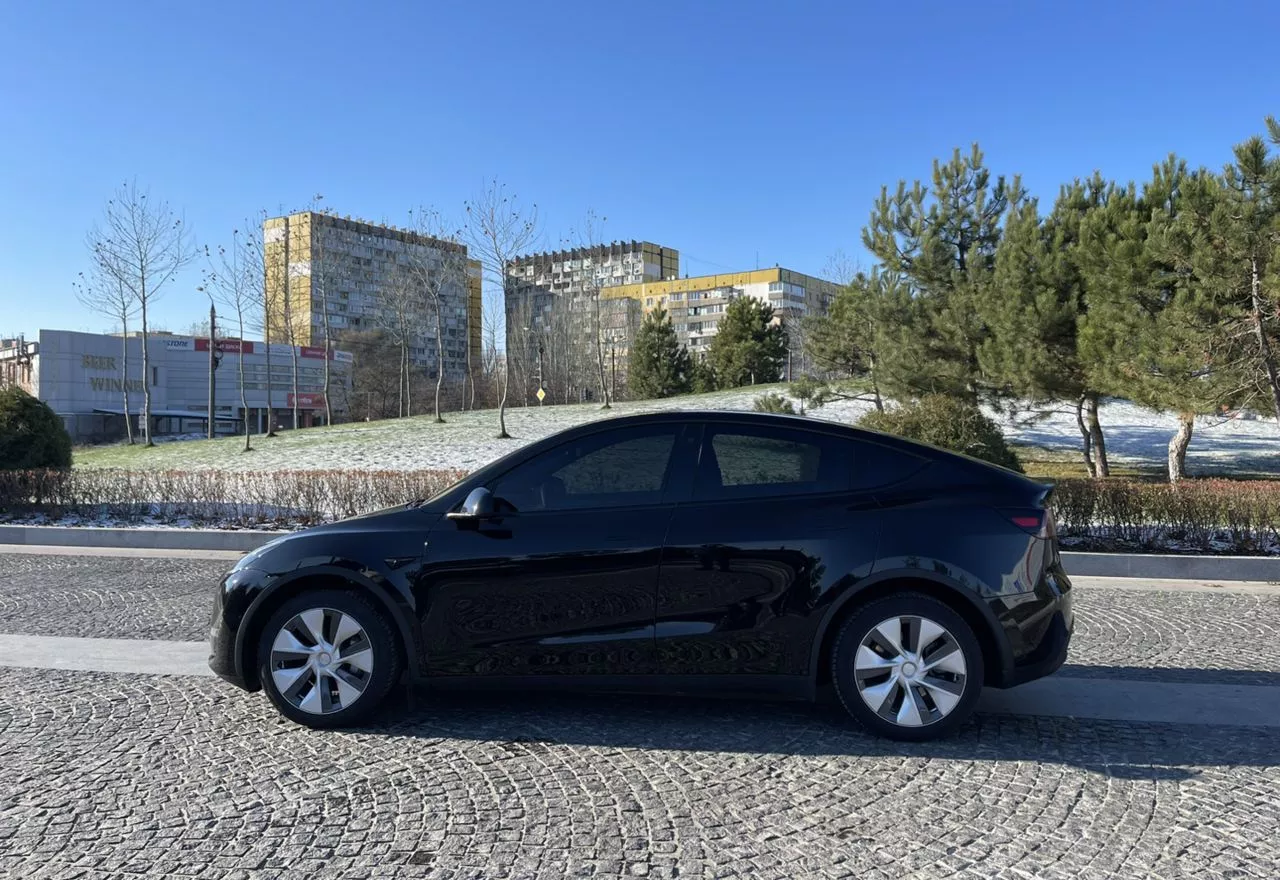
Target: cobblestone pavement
column 106, row 597
column 106, row 775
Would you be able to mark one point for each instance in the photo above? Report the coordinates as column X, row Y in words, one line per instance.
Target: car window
column 612, row 470
column 744, row 462
column 875, row 465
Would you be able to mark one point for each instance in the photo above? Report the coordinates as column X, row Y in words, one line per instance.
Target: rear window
column 875, row 465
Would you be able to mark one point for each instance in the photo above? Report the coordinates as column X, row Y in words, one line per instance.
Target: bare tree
column 585, row 240
column 142, row 244
column 235, row 278
column 498, row 230
column 108, row 296
column 402, row 317
column 439, row 276
column 263, row 307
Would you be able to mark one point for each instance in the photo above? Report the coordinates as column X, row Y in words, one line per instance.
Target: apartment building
column 555, row 303
column 327, row 274
column 697, row 304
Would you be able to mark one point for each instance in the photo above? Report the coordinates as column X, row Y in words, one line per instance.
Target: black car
column 734, row 553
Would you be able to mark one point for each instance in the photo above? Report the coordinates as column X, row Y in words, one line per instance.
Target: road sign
column 541, row 395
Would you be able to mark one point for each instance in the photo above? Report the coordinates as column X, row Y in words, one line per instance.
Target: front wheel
column 328, row 658
column 908, row 667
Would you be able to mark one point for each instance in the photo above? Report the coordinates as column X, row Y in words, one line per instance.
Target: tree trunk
column 502, row 399
column 244, row 397
column 1178, row 447
column 124, row 368
column 290, row 330
column 875, row 383
column 604, row 388
column 1264, row 344
column 271, row 425
column 293, row 354
column 146, row 372
column 328, row 354
column 1101, row 465
column 1086, row 438
column 439, row 360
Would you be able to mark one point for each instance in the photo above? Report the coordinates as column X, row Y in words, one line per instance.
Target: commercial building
column 81, row 376
column 327, row 274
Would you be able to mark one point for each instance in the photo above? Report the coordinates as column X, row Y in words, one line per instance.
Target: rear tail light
column 1034, row 522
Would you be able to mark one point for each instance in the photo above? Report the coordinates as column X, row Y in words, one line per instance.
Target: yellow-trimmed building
column 696, row 305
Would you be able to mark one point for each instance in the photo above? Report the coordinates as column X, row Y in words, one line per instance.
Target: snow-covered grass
column 1136, row 438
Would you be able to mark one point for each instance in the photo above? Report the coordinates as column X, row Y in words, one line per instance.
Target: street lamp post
column 213, row 369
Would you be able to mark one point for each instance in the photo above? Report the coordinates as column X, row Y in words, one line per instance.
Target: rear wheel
column 908, row 667
column 328, row 658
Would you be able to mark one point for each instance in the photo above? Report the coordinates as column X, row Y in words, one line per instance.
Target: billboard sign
column 307, row 401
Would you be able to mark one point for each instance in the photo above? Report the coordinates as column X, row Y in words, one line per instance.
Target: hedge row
column 1239, row 517
column 1199, row 516
column 219, row 498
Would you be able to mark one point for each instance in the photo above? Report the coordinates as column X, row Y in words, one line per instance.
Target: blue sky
column 747, row 132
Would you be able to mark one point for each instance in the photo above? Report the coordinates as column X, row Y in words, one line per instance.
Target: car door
column 563, row 582
column 773, row 523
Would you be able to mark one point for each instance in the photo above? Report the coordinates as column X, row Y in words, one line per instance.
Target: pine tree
column 943, row 241
column 748, row 347
column 702, row 378
column 1228, row 237
column 1153, row 333
column 865, row 338
column 659, row 365
column 1033, row 307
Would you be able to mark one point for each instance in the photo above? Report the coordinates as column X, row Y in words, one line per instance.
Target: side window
column 749, row 462
column 875, row 465
column 616, row 469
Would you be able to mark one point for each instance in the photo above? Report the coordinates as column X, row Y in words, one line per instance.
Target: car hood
column 385, row 526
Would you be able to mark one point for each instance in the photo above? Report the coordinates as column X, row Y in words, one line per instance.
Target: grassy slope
column 468, row 440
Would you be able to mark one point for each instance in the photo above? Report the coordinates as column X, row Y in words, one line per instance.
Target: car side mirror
column 478, row 506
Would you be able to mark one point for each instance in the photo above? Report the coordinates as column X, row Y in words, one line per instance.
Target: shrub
column 218, row 498
column 1195, row 516
column 948, row 423
column 773, row 402
column 31, row 434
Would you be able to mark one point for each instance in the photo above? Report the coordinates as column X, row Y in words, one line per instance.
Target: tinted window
column 744, row 462
column 875, row 465
column 615, row 469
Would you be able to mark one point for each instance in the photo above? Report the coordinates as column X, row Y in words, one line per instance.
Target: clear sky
column 741, row 133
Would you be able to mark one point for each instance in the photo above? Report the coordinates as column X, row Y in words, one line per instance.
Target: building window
column 775, row 287
column 155, row 376
column 677, row 297
column 648, row 301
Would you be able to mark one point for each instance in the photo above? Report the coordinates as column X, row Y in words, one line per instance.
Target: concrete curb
column 1122, row 565
column 136, row 539
column 1173, row 567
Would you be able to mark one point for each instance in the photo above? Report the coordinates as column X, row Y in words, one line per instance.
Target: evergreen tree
column 1228, row 238
column 1153, row 332
column 659, row 365
column 866, row 337
column 702, row 378
column 748, row 347
column 943, row 240
column 1033, row 307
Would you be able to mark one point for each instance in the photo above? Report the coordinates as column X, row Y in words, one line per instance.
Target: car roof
column 780, row 420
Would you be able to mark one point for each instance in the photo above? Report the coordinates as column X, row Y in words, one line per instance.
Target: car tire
column 329, row 658
column 907, row 667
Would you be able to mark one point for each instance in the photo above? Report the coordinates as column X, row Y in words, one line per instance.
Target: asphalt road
column 1153, row 753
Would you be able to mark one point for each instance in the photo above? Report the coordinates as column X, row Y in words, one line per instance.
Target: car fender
column 866, row 586
column 401, row 616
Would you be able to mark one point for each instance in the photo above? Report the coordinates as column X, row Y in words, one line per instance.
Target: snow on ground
column 467, row 440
